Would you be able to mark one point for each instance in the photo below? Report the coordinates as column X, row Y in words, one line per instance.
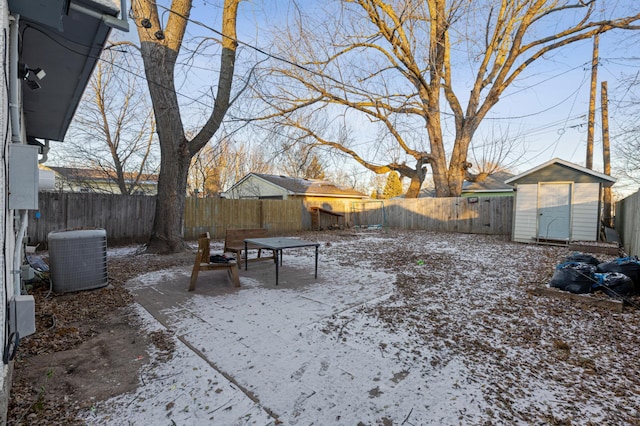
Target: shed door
column 554, row 211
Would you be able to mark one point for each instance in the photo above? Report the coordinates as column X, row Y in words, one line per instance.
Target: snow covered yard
column 401, row 327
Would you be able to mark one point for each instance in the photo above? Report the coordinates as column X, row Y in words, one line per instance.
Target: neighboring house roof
column 65, row 40
column 494, row 182
column 304, row 187
column 77, row 174
column 424, row 193
column 558, row 168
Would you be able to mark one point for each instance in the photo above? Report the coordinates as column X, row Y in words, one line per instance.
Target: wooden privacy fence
column 129, row 219
column 472, row 215
column 627, row 223
column 215, row 215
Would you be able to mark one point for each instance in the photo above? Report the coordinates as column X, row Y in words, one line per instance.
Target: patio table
column 277, row 244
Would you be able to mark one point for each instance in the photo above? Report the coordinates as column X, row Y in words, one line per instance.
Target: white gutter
column 16, row 137
column 109, row 21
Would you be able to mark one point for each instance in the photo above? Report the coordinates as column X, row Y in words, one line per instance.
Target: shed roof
column 561, row 170
column 304, row 187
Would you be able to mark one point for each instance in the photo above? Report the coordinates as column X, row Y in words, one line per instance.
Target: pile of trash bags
column 583, row 273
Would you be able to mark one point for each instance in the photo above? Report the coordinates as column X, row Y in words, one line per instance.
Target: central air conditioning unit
column 77, row 260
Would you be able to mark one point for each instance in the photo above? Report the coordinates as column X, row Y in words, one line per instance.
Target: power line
column 342, row 83
column 86, row 55
column 294, row 64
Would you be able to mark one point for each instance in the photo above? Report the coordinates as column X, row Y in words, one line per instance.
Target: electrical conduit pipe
column 16, row 137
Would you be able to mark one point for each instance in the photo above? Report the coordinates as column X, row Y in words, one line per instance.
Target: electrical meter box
column 23, row 176
column 22, row 315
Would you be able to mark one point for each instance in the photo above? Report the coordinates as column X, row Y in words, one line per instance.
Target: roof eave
column 312, row 194
column 68, row 53
column 487, row 190
column 567, row 164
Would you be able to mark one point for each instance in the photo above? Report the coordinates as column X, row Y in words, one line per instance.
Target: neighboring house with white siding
column 277, row 187
column 72, row 179
column 558, row 202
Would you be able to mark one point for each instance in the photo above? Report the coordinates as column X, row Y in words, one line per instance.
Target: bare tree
column 113, row 130
column 206, row 174
column 250, row 159
column 351, row 177
column 628, row 140
column 301, row 161
column 377, row 185
column 395, row 64
column 161, row 32
column 215, row 168
column 498, row 151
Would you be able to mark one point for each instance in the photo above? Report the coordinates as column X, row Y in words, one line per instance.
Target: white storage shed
column 558, row 202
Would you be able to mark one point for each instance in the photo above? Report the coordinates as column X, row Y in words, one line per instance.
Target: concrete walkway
column 285, row 348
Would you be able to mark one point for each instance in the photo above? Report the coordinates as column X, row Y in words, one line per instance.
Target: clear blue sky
column 547, row 108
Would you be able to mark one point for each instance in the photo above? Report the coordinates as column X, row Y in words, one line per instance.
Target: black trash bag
column 575, row 277
column 217, row 258
column 582, row 258
column 629, row 266
column 614, row 284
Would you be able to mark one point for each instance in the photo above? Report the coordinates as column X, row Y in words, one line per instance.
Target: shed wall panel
column 584, row 221
column 526, row 213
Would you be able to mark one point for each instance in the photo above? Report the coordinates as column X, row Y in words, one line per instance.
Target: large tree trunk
column 438, row 157
column 416, row 175
column 458, row 164
column 167, row 234
column 414, row 188
column 167, row 228
column 160, row 47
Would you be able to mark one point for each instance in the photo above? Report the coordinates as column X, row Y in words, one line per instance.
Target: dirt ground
column 87, row 347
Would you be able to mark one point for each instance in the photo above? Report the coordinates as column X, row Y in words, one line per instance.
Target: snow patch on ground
column 412, row 327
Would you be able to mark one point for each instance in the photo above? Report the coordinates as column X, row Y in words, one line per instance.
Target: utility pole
column 606, row 154
column 592, row 101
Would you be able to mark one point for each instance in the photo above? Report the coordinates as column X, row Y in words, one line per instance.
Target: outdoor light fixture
column 31, row 76
column 39, row 73
column 26, row 73
column 32, row 84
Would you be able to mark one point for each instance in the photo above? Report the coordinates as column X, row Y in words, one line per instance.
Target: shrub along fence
column 129, row 219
